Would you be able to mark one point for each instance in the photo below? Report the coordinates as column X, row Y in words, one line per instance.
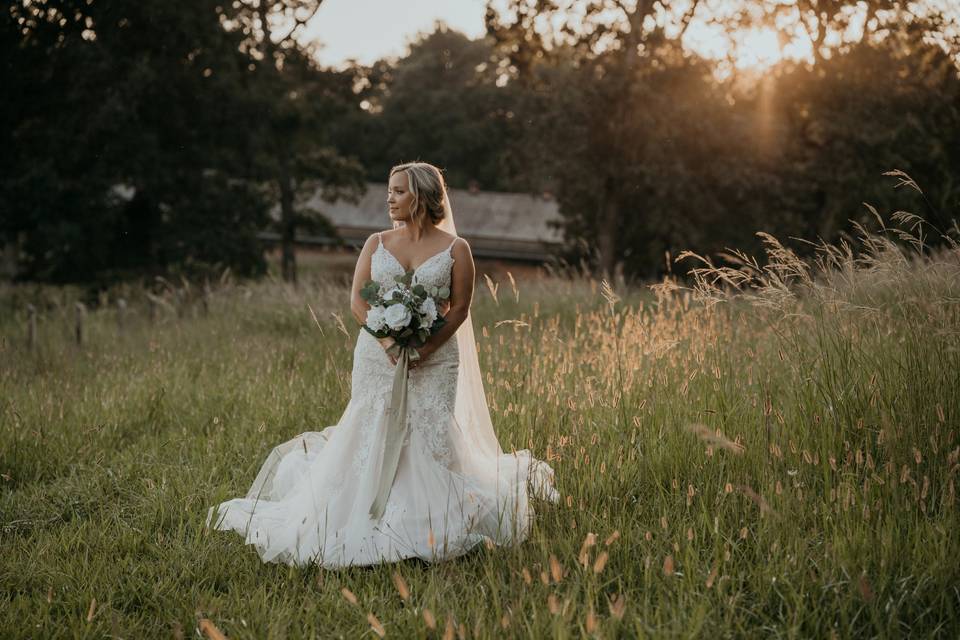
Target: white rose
column 389, row 294
column 428, row 311
column 397, row 316
column 376, row 319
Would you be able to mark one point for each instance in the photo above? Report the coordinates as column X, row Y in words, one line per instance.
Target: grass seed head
column 757, row 499
column 866, row 591
column 711, row 577
column 428, row 619
column 556, row 571
column 618, row 606
column 553, row 604
column 668, row 566
column 591, row 622
column 715, row 438
column 401, row 586
column 207, row 628
column 601, row 562
column 375, row 625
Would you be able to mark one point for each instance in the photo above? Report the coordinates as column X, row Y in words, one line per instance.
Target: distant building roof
column 505, row 225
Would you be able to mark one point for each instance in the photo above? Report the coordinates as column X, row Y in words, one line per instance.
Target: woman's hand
column 443, row 307
column 423, row 352
column 386, row 343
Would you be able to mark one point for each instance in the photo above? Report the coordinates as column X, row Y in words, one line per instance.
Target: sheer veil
column 471, row 412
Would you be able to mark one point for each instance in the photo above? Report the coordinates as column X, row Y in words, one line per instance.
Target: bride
column 453, row 487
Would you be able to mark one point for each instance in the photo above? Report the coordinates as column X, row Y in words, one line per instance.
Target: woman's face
column 399, row 198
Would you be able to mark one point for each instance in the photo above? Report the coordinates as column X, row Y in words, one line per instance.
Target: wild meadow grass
column 768, row 450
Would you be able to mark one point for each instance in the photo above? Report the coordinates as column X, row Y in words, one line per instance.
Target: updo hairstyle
column 428, row 189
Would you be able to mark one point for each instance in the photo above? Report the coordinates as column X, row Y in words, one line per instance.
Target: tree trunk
column 607, row 230
column 288, row 225
column 608, row 225
column 288, row 228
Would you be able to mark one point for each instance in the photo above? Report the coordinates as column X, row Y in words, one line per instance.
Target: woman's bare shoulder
column 460, row 247
column 370, row 243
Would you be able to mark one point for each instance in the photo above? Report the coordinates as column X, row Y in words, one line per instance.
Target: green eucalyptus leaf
column 370, row 291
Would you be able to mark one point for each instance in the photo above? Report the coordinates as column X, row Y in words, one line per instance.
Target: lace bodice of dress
column 435, row 271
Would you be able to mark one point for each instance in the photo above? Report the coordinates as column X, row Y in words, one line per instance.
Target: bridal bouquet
column 408, row 313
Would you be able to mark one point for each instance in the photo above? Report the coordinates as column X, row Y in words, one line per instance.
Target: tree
column 621, row 60
column 440, row 103
column 650, row 150
column 142, row 134
column 126, row 129
column 877, row 107
column 298, row 103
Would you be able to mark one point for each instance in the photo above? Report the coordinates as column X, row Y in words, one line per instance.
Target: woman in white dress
column 454, row 487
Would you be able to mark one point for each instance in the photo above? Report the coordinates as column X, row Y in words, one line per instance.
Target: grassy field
column 780, row 461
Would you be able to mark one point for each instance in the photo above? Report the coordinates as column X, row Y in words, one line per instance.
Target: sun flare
column 754, row 49
column 757, row 49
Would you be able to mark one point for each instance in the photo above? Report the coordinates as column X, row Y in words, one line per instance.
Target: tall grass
column 772, row 450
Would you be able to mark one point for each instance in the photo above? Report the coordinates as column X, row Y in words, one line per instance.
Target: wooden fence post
column 181, row 302
column 31, row 326
column 78, row 327
column 206, row 298
column 121, row 314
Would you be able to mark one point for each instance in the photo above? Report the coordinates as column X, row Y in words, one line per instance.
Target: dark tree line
column 148, row 138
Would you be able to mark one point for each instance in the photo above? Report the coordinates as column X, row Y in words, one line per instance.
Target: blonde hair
column 428, row 188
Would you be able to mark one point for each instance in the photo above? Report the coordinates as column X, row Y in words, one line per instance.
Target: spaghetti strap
column 453, row 243
column 380, row 237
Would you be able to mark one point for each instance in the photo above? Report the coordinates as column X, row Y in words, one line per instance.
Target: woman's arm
column 461, row 295
column 361, row 274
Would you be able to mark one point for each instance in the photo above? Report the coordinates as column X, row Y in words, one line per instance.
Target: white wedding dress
column 310, row 501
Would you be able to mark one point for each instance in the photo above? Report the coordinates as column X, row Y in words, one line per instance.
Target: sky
column 368, row 30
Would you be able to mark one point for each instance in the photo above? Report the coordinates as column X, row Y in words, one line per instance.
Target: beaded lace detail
column 434, row 271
